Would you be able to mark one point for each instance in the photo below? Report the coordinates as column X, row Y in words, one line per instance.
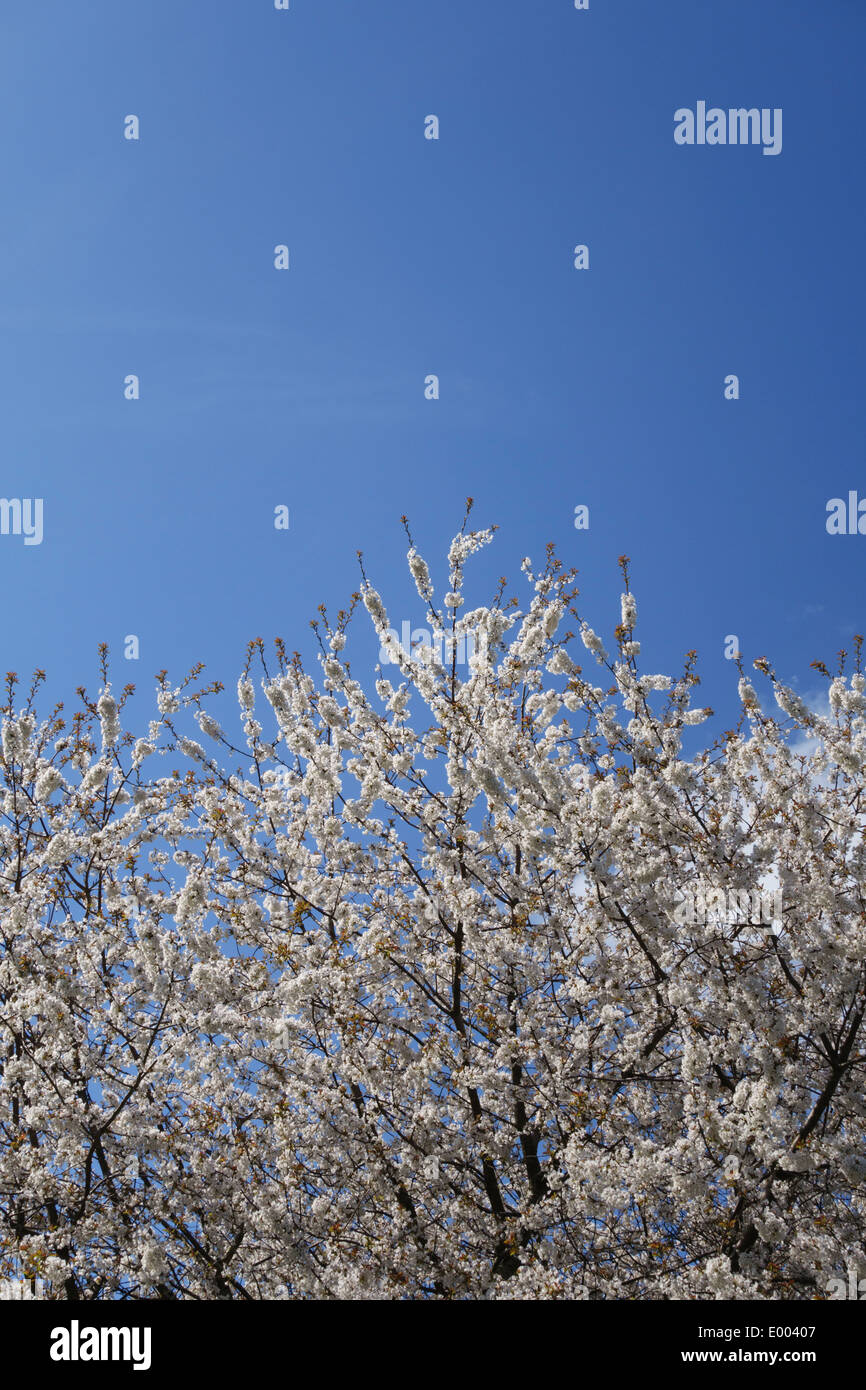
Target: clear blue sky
column 410, row 257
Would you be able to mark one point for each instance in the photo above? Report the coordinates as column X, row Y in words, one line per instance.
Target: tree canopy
column 447, row 984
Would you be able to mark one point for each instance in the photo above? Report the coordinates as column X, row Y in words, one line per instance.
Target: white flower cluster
column 109, row 719
column 398, row 1008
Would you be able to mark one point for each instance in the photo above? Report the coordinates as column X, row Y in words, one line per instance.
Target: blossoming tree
column 389, row 999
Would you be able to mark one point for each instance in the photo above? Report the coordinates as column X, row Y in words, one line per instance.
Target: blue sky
column 410, row 257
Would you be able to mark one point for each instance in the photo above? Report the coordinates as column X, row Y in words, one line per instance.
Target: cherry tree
column 390, row 997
